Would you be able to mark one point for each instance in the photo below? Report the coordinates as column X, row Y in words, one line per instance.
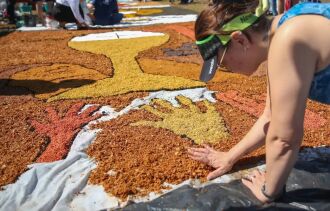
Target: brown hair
column 220, row 12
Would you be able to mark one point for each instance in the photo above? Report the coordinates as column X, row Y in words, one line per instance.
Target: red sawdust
column 61, row 131
column 254, row 108
column 20, row 143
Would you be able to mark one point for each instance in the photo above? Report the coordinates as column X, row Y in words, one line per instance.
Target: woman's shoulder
column 307, row 32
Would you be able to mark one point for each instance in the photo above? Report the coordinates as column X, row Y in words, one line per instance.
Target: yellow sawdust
column 201, row 127
column 148, row 11
column 170, row 68
column 47, row 81
column 128, row 76
column 141, row 12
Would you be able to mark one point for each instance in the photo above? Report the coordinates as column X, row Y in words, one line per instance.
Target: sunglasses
column 220, row 64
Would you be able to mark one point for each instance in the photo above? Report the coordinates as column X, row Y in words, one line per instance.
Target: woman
column 236, row 35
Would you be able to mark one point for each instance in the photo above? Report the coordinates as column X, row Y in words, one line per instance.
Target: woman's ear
column 241, row 39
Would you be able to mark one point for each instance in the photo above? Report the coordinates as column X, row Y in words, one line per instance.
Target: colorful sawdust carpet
column 117, row 110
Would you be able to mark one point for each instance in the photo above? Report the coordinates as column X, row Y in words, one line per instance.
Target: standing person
column 273, row 7
column 69, row 11
column 280, row 6
column 106, row 12
column 11, row 11
column 285, row 5
column 238, row 36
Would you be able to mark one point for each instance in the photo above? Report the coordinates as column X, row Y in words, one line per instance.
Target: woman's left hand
column 255, row 182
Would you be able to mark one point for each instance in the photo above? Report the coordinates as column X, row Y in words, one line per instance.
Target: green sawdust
column 48, row 81
column 201, row 127
column 128, row 77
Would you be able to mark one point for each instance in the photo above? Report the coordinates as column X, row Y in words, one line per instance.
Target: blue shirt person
column 106, row 12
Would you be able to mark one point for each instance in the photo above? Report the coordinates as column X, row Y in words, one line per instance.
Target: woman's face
column 243, row 55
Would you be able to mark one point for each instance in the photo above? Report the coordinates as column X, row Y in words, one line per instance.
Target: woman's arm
column 292, row 62
column 74, row 5
column 292, row 66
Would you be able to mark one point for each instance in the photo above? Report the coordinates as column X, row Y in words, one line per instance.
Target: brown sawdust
column 48, row 81
column 170, row 68
column 20, row 144
column 49, row 47
column 141, row 158
column 176, row 41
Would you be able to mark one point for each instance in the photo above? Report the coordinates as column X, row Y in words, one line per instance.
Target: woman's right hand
column 221, row 161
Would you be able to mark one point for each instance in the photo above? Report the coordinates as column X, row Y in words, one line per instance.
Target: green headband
column 239, row 23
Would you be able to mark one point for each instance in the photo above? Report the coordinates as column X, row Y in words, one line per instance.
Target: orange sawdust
column 170, row 68
column 188, row 32
column 49, row 47
column 48, row 81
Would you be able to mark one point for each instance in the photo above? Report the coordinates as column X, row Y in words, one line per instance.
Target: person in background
column 285, row 5
column 69, row 11
column 88, row 15
column 237, row 36
column 273, row 7
column 105, row 12
column 11, row 11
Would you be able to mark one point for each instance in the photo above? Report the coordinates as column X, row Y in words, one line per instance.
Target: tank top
column 320, row 88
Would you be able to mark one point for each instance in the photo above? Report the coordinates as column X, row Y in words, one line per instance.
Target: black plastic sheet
column 308, row 188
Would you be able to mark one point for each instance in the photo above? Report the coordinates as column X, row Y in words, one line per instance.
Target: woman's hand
column 255, row 182
column 82, row 26
column 222, row 161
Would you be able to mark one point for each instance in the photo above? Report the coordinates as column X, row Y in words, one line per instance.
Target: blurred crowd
column 82, row 12
column 57, row 13
column 280, row 6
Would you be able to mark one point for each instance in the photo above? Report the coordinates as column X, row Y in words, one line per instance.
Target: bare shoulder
column 304, row 33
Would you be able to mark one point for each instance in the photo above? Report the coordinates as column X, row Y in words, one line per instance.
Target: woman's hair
column 219, row 12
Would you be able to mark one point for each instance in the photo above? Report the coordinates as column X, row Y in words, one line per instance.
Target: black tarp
column 308, row 188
